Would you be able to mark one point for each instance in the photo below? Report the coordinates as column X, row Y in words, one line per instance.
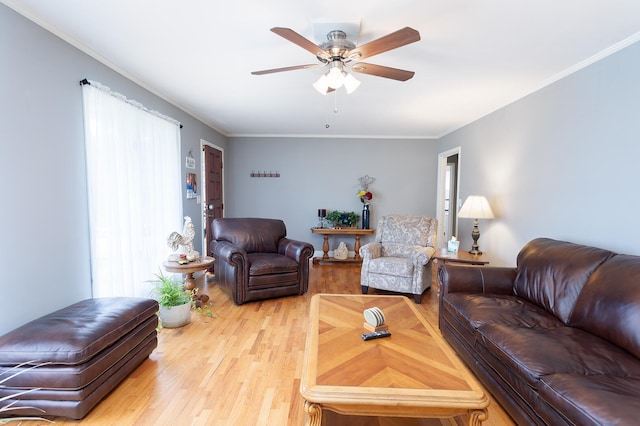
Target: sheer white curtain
column 134, row 190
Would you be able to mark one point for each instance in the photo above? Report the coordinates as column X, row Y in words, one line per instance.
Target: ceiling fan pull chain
column 335, row 102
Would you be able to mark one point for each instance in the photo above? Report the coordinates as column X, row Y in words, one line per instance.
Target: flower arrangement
column 365, row 195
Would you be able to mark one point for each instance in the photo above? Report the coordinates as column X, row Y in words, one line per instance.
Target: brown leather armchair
column 254, row 259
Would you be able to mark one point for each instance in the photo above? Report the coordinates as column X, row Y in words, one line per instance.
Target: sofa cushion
column 480, row 309
column 593, row 400
column 552, row 273
column 609, row 304
column 537, row 351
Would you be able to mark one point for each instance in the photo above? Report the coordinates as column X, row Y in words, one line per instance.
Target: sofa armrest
column 371, row 251
column 476, row 279
column 298, row 250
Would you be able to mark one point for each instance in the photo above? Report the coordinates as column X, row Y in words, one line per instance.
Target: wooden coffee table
column 413, row 373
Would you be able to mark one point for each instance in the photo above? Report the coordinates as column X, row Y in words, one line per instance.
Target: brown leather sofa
column 254, row 259
column 556, row 340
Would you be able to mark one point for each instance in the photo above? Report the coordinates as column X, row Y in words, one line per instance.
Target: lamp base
column 475, row 234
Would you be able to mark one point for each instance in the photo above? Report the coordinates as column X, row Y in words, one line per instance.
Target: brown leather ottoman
column 88, row 348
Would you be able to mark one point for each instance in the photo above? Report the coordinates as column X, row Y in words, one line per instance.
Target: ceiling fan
column 338, row 54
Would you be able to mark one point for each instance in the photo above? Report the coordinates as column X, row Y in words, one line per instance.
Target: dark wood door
column 213, row 207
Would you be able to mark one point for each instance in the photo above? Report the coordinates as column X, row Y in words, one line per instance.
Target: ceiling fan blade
column 296, row 38
column 391, row 41
column 382, row 71
column 295, row 67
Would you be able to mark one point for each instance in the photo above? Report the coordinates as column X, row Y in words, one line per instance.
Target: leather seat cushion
column 535, row 352
column 397, row 266
column 602, row 400
column 75, row 334
column 270, row 263
column 479, row 310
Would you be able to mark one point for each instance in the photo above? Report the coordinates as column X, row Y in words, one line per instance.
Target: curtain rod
column 84, row 81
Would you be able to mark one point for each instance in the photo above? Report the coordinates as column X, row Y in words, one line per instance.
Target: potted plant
column 174, row 300
column 343, row 219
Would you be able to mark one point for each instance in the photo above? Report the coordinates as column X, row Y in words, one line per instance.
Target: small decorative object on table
column 452, row 245
column 341, row 253
column 322, row 214
column 365, row 198
column 185, row 240
column 374, row 319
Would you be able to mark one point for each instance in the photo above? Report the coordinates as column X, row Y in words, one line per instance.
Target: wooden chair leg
column 365, row 289
column 417, row 298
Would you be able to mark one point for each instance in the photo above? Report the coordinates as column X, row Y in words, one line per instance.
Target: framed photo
column 190, row 162
column 192, row 185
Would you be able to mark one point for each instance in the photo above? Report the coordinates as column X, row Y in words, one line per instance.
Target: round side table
column 201, row 264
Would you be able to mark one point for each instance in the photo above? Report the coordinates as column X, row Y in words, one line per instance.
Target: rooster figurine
column 185, row 240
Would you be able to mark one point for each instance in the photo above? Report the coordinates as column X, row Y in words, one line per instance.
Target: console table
column 356, row 232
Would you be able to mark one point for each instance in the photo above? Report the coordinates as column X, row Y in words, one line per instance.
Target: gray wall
column 560, row 163
column 44, row 257
column 323, row 173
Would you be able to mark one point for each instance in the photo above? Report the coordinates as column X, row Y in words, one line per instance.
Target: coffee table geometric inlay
column 412, row 373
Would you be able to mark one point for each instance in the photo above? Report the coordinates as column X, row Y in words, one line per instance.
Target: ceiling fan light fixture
column 350, row 83
column 322, row 84
column 335, row 76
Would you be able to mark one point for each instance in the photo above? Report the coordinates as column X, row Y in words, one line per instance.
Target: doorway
column 447, row 192
column 213, row 205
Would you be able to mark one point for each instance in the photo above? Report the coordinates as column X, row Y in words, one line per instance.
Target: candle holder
column 322, row 222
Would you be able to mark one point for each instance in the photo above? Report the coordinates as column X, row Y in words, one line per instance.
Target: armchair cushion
column 270, row 263
column 391, row 266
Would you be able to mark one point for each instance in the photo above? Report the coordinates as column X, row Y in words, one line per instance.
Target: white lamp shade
column 335, row 78
column 476, row 207
column 350, row 83
column 322, row 85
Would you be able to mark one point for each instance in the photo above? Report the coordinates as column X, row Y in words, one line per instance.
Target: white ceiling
column 475, row 56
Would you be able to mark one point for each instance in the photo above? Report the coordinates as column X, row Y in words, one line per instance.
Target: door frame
column 440, row 200
column 204, row 189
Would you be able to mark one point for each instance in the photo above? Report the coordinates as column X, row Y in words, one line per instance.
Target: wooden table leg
column 356, row 248
column 477, row 417
column 189, row 281
column 314, row 414
column 325, row 247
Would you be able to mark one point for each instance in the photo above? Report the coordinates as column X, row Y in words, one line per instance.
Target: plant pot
column 175, row 316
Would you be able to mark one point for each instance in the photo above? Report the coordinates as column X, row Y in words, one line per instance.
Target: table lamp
column 476, row 207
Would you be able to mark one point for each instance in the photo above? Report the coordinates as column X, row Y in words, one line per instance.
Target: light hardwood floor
column 240, row 367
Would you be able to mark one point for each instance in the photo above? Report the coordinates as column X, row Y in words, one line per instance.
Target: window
column 134, row 190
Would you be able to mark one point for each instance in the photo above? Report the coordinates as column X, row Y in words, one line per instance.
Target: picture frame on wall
column 192, row 186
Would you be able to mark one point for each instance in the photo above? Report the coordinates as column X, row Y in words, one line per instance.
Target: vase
column 365, row 216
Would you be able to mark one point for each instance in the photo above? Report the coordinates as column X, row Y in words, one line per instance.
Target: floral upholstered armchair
column 400, row 257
